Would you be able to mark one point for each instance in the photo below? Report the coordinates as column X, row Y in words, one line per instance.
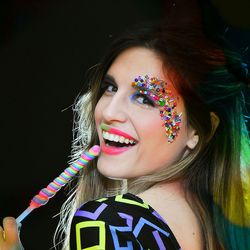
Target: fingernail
column 9, row 220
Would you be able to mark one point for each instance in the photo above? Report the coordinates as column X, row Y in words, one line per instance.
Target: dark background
column 45, row 49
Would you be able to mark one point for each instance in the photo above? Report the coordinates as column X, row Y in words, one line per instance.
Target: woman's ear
column 193, row 139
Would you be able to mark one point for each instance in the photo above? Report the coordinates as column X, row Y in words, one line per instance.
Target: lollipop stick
column 25, row 213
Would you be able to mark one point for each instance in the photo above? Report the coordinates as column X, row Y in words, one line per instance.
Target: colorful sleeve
column 96, row 225
column 120, row 222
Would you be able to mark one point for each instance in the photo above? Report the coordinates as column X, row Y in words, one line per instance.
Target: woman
column 187, row 158
column 166, row 106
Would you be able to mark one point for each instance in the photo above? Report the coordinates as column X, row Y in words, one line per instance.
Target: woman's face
column 132, row 137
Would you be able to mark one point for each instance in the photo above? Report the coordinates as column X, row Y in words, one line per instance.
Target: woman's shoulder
column 115, row 208
column 124, row 215
column 116, row 202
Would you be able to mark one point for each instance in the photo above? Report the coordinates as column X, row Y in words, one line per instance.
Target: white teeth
column 111, row 137
column 121, row 139
column 117, row 138
column 126, row 141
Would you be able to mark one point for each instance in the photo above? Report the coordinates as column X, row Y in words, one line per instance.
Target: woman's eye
column 108, row 88
column 111, row 88
column 142, row 99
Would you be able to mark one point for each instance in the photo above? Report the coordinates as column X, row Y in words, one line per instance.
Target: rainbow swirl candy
column 46, row 193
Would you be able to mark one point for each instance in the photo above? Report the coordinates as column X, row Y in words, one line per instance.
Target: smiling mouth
column 113, row 140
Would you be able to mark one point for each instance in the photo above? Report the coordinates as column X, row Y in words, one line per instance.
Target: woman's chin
column 110, row 172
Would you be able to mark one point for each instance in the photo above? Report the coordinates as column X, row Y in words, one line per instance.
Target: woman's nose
column 115, row 110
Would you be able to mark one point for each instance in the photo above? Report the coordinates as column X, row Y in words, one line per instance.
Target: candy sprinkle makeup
column 163, row 97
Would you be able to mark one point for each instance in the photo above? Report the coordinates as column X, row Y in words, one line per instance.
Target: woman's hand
column 9, row 235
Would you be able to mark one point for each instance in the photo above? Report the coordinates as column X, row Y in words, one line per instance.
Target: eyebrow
column 110, row 79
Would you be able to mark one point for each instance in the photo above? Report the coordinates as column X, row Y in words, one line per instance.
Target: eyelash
column 135, row 97
column 105, row 86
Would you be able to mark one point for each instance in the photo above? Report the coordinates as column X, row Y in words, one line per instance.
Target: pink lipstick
column 111, row 150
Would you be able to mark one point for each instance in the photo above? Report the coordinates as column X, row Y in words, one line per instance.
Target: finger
column 1, row 235
column 11, row 230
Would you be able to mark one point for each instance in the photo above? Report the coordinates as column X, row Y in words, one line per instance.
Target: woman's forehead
column 139, row 61
column 136, row 61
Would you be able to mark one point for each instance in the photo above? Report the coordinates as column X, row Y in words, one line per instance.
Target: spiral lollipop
column 46, row 193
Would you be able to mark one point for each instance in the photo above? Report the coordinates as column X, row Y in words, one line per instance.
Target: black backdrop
column 45, row 48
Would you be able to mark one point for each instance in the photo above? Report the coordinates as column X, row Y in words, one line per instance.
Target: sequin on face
column 158, row 91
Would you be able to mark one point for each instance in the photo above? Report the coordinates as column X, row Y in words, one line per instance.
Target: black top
column 120, row 222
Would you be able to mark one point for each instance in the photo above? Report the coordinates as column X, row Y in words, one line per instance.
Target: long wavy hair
column 211, row 80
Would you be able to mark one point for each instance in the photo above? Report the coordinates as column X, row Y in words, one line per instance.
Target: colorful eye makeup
column 157, row 93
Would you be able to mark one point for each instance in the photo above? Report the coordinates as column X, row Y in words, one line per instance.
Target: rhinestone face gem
column 158, row 91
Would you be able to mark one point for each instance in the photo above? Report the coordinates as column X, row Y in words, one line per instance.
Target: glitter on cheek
column 163, row 97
